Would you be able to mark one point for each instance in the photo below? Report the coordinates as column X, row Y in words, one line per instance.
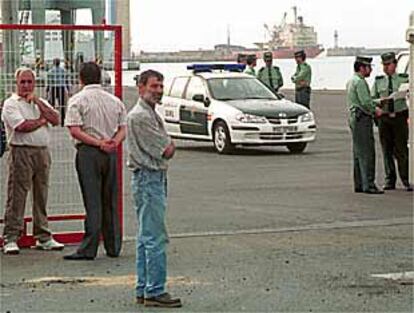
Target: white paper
column 396, row 95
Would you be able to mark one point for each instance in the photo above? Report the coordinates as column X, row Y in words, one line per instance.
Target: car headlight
column 250, row 118
column 307, row 117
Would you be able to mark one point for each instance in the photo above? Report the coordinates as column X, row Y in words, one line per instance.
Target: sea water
column 331, row 73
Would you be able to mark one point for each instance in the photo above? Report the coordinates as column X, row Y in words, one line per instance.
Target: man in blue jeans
column 149, row 149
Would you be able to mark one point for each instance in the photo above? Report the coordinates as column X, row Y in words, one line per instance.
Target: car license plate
column 285, row 129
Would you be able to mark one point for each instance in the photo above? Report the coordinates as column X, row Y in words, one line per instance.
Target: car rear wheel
column 297, row 147
column 221, row 139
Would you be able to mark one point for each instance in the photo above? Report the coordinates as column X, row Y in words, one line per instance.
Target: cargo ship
column 286, row 38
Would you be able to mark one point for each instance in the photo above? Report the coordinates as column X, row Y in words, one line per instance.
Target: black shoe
column 408, row 187
column 389, row 187
column 110, row 255
column 78, row 257
column 163, row 301
column 358, row 190
column 374, row 191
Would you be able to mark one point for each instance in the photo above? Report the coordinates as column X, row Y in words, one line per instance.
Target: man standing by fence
column 27, row 120
column 150, row 148
column 58, row 87
column 96, row 120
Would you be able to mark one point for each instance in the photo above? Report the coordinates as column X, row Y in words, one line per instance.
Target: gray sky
column 164, row 25
column 171, row 25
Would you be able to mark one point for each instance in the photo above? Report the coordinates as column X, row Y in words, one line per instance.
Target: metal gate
column 72, row 45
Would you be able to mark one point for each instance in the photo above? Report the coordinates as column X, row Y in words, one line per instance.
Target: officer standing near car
column 302, row 79
column 251, row 64
column 241, row 58
column 362, row 111
column 392, row 124
column 270, row 75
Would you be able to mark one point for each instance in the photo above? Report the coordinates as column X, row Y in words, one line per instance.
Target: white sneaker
column 51, row 244
column 11, row 248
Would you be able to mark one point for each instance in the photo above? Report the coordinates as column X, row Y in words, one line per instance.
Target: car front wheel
column 297, row 147
column 221, row 139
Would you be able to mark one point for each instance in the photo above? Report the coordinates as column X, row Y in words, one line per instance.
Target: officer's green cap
column 241, row 57
column 268, row 55
column 251, row 58
column 300, row 53
column 364, row 60
column 388, row 57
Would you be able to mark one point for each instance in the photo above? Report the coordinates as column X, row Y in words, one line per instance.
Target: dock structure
column 34, row 12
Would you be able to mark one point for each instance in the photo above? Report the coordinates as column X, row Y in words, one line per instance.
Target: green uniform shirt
column 358, row 95
column 303, row 74
column 271, row 77
column 382, row 88
column 250, row 70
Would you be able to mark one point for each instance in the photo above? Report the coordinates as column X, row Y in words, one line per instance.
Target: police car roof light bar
column 230, row 67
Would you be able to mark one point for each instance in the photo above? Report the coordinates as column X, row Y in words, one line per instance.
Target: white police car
column 218, row 103
column 403, row 66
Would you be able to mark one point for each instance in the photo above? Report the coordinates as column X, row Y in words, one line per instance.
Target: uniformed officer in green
column 302, row 79
column 392, row 124
column 362, row 111
column 270, row 75
column 251, row 63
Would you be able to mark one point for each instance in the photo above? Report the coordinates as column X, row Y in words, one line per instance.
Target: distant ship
column 286, row 38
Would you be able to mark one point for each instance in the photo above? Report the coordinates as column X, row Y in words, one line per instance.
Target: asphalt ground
column 257, row 231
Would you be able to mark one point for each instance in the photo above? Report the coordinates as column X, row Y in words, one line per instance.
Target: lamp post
column 410, row 39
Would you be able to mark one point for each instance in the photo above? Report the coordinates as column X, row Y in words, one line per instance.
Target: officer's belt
column 394, row 114
column 302, row 87
column 360, row 109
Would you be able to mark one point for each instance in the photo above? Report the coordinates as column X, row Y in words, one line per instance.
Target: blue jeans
column 149, row 189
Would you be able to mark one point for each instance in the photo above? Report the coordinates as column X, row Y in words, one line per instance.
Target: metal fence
column 36, row 47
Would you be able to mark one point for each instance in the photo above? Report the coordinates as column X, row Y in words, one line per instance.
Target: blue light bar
column 209, row 67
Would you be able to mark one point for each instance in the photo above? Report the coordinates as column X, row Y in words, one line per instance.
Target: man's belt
column 27, row 146
column 302, row 88
column 395, row 114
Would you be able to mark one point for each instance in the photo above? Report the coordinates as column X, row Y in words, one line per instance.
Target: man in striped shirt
column 97, row 122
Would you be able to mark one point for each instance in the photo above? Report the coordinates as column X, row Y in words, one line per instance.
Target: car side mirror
column 201, row 98
column 198, row 98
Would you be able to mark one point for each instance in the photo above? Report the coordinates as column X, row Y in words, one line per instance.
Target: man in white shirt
column 27, row 119
column 97, row 122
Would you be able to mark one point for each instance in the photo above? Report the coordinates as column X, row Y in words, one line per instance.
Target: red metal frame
column 27, row 240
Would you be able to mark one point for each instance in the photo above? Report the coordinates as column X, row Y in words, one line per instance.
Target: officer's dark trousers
column 302, row 96
column 58, row 93
column 98, row 181
column 393, row 134
column 364, row 152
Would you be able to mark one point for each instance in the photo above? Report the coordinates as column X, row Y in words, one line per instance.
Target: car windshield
column 239, row 89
